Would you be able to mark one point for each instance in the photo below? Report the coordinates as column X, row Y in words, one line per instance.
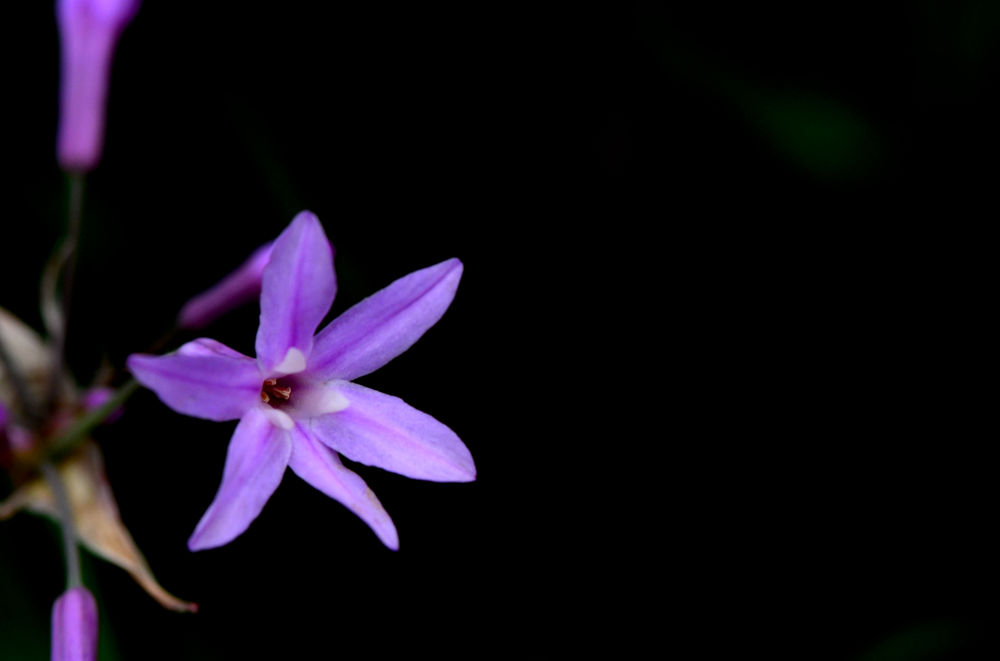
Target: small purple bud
column 238, row 287
column 96, row 397
column 89, row 31
column 21, row 440
column 74, row 626
column 12, row 437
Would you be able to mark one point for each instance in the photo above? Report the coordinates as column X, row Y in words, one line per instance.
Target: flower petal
column 217, row 387
column 240, row 286
column 74, row 626
column 384, row 431
column 384, row 325
column 322, row 468
column 257, row 457
column 297, row 292
column 204, row 346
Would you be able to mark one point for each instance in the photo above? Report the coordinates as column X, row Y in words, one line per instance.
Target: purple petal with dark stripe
column 384, row 431
column 215, row 387
column 384, row 325
column 321, row 468
column 257, row 457
column 297, row 292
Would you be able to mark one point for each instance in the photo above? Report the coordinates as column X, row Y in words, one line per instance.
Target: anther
column 271, row 390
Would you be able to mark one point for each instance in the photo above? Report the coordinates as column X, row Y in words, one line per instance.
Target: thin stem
column 69, row 251
column 68, row 527
column 84, row 425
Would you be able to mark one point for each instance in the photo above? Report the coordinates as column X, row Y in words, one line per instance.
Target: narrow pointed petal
column 74, row 626
column 386, row 324
column 215, row 387
column 297, row 292
column 384, row 431
column 240, row 286
column 322, row 469
column 257, row 458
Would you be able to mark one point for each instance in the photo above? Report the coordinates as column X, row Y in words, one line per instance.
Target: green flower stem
column 68, row 254
column 68, row 526
column 82, row 428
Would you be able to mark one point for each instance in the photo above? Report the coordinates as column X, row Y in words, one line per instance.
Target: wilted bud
column 238, row 287
column 74, row 626
column 89, row 31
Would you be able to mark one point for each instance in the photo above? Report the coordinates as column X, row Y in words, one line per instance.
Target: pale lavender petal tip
column 239, row 287
column 74, row 626
column 257, row 457
column 296, row 293
column 381, row 430
column 89, row 31
column 385, row 324
column 206, row 346
column 323, row 470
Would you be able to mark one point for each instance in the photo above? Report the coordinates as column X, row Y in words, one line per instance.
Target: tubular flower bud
column 240, row 286
column 74, row 626
column 88, row 32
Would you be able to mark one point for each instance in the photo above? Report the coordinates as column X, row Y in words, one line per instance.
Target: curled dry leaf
column 32, row 358
column 95, row 513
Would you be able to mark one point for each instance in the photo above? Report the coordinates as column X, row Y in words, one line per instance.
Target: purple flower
column 296, row 404
column 89, row 31
column 240, row 286
column 74, row 626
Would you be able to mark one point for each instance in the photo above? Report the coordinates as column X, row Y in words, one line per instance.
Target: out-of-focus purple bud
column 96, row 397
column 89, row 31
column 238, row 287
column 74, row 626
column 12, row 437
column 21, row 440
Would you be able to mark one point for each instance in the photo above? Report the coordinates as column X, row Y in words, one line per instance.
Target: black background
column 717, row 350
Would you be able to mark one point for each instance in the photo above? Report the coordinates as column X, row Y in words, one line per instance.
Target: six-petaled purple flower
column 296, row 404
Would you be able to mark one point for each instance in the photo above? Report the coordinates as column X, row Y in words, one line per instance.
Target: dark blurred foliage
column 716, row 350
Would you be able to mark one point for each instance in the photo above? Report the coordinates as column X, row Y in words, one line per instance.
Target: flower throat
column 274, row 394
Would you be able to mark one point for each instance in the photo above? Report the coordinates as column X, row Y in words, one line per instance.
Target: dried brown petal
column 98, row 523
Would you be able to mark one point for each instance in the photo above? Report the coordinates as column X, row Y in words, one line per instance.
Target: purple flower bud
column 89, row 30
column 240, row 286
column 12, row 437
column 74, row 626
column 97, row 397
